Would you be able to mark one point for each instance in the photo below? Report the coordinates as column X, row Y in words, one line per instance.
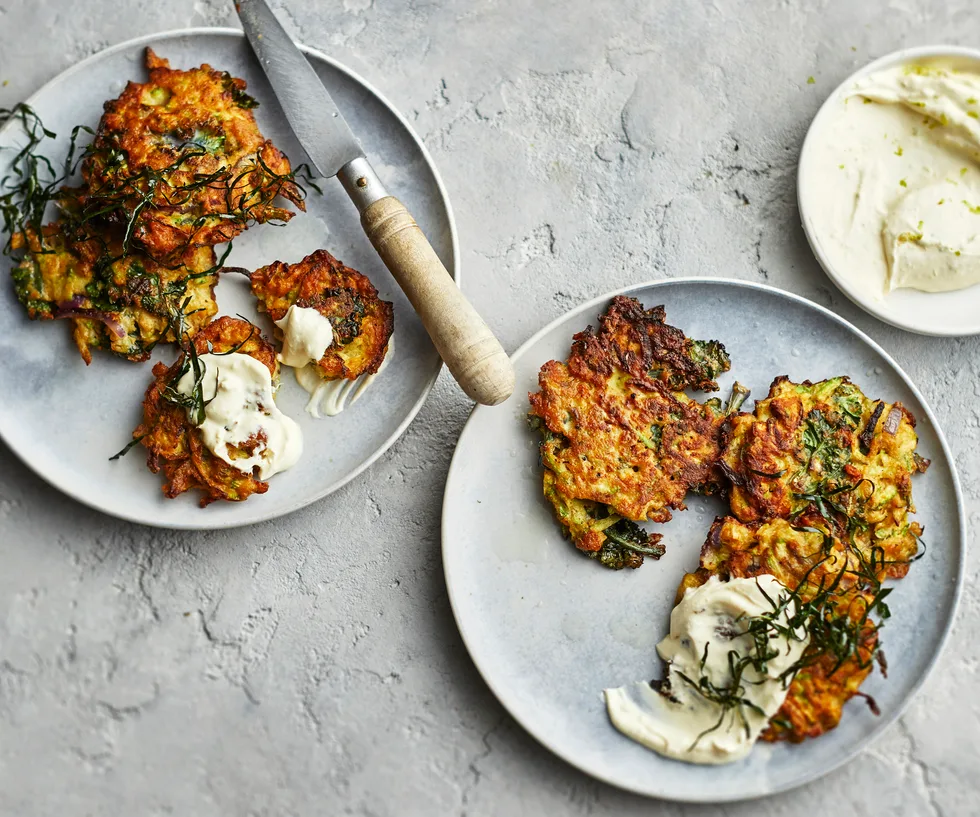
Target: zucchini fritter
column 621, row 443
column 804, row 558
column 181, row 155
column 362, row 322
column 118, row 302
column 174, row 445
column 827, row 446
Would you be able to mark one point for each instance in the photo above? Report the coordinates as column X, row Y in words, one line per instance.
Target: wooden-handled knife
column 474, row 356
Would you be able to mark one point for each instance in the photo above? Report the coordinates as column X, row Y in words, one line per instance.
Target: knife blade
column 472, row 354
column 309, row 109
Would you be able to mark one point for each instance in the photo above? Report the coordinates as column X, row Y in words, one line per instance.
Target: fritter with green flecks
column 174, row 445
column 180, row 160
column 836, row 594
column 122, row 303
column 620, row 442
column 362, row 322
column 828, row 447
column 611, row 539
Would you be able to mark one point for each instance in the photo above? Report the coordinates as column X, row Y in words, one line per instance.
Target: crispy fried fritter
column 803, row 558
column 123, row 303
column 362, row 322
column 181, row 154
column 641, row 344
column 618, row 443
column 174, row 445
column 828, row 446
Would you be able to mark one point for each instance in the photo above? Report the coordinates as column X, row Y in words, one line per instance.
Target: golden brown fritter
column 174, row 445
column 118, row 302
column 362, row 322
column 806, row 560
column 827, row 446
column 620, row 442
column 181, row 155
column 638, row 448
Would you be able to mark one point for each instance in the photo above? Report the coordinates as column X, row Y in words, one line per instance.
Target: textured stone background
column 311, row 665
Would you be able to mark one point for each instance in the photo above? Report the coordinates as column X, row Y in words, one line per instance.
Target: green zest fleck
column 899, row 151
column 971, row 100
column 904, row 237
column 841, row 166
column 972, row 208
column 973, row 114
column 963, row 171
column 903, row 183
column 810, row 81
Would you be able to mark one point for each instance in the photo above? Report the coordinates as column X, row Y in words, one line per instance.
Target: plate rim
column 455, row 271
column 456, row 467
column 890, row 59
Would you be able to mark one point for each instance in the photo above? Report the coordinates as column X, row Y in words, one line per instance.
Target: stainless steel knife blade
column 463, row 339
column 312, row 114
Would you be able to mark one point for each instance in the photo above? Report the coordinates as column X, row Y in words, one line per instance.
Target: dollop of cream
column 330, row 397
column 242, row 424
column 947, row 99
column 710, row 622
column 306, row 336
column 932, row 239
column 890, row 149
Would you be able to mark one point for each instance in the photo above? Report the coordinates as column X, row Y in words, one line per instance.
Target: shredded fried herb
column 34, row 181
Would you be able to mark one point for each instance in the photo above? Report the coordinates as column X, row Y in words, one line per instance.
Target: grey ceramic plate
column 65, row 420
column 549, row 629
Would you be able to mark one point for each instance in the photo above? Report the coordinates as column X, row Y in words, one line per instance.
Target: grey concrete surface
column 311, row 666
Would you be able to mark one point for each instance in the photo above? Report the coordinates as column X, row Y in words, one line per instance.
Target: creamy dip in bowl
column 889, row 189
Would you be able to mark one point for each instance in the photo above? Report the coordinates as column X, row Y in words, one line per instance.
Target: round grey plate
column 65, row 419
column 549, row 629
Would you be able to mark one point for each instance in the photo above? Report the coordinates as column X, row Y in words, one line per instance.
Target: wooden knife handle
column 474, row 356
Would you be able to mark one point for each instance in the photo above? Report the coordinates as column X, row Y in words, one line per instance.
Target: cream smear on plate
column 330, row 397
column 306, row 337
column 895, row 181
column 242, row 424
column 710, row 623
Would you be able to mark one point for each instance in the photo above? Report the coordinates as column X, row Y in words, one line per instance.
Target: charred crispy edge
column 666, row 354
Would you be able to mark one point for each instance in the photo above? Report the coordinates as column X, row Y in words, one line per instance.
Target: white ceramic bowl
column 928, row 313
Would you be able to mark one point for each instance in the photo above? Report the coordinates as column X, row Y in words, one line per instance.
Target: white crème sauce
column 306, row 336
column 240, row 410
column 330, row 397
column 708, row 624
column 893, row 181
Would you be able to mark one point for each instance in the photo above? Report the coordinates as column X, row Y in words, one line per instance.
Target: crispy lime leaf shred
column 33, row 182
